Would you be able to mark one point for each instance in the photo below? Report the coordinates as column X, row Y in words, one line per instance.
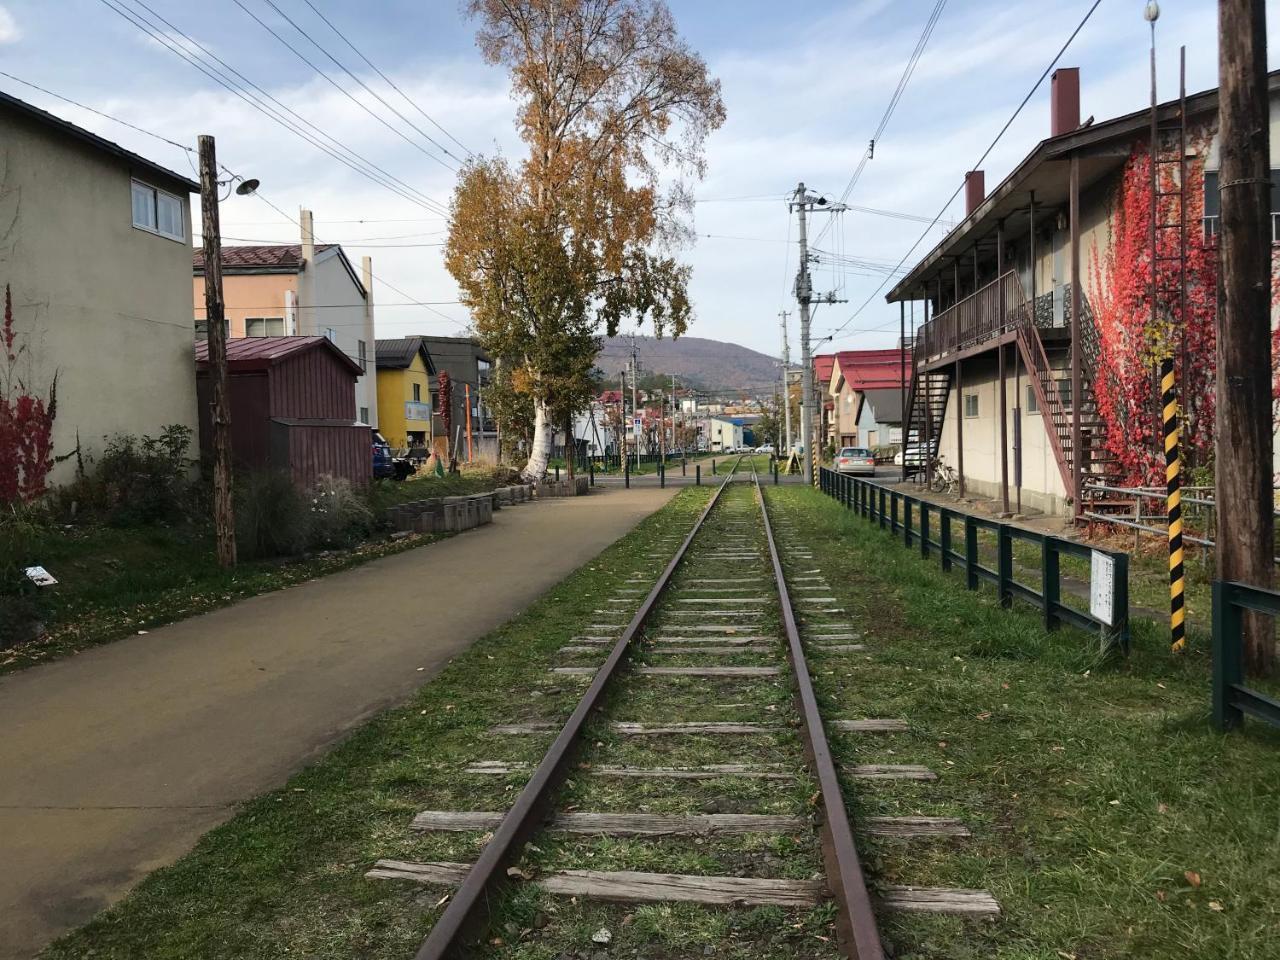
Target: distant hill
column 696, row 362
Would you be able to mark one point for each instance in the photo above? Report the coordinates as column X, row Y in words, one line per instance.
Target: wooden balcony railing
column 993, row 310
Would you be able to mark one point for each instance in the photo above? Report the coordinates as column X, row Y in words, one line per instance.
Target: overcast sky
column 804, row 83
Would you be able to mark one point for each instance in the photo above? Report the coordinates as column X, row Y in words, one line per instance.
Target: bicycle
column 945, row 479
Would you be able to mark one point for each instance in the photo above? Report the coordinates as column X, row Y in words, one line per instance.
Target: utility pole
column 786, row 369
column 674, row 412
column 1246, row 525
column 804, row 202
column 635, row 408
column 224, row 524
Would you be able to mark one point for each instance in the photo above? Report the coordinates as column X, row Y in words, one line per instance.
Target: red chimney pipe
column 1064, row 101
column 975, row 190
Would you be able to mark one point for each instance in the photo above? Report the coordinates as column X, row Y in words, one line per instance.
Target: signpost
column 1102, row 577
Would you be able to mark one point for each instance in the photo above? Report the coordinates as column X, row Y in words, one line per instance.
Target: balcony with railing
column 983, row 316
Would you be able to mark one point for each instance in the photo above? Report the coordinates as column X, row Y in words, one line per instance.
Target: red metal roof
column 823, row 364
column 871, row 369
column 248, row 353
column 271, row 256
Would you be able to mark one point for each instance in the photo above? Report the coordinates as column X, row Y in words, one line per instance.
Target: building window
column 1213, row 205
column 331, row 334
column 1033, row 402
column 970, row 405
column 1064, row 394
column 264, row 327
column 435, row 401
column 158, row 212
column 364, row 414
column 362, row 351
column 417, row 393
column 202, row 329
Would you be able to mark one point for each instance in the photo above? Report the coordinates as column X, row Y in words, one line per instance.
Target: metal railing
column 933, row 528
column 992, row 310
column 1231, row 698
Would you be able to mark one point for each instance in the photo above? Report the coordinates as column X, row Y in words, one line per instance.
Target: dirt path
column 116, row 760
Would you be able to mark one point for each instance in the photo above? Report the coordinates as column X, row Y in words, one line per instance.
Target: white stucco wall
column 103, row 305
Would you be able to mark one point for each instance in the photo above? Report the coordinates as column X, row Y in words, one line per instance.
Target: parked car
column 386, row 466
column 914, row 456
column 856, row 460
column 765, row 448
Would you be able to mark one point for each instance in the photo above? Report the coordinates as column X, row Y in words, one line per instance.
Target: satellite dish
column 247, row 187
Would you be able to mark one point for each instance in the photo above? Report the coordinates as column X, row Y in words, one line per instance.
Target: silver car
column 856, row 460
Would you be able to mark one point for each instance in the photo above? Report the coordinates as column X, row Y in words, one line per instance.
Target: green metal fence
column 953, row 536
column 1231, row 698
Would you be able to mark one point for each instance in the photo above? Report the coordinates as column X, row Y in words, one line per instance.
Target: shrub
column 136, row 480
column 21, row 606
column 272, row 516
column 340, row 516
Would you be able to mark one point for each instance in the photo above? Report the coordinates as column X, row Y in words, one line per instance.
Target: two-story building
column 1012, row 356
column 853, row 373
column 301, row 289
column 406, row 383
column 95, row 247
column 473, row 430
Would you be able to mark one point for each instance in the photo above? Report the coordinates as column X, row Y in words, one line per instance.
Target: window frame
column 156, row 193
column 1032, row 407
column 362, row 350
column 977, row 410
column 264, row 321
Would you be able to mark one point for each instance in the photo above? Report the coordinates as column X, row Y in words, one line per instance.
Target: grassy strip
column 285, row 877
column 115, row 581
column 1109, row 819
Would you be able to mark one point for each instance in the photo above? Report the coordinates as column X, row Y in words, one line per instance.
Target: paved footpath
column 116, row 760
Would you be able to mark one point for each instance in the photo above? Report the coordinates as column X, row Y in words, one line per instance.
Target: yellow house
column 405, row 395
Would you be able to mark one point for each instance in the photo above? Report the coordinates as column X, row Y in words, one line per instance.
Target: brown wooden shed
column 293, row 408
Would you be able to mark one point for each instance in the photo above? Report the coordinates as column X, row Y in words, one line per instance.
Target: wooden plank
column 723, row 640
column 643, row 729
column 838, row 647
column 703, row 648
column 891, row 771
column 722, row 600
column 869, row 726
column 707, row 671
column 516, row 729
column 621, row 824
column 914, row 827
column 626, row 886
column 970, row 903
column 769, row 771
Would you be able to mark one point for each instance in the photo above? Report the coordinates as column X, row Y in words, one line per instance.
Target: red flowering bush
column 26, row 421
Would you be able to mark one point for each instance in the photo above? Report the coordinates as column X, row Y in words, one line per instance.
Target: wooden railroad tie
column 703, row 671
column 622, row 824
column 625, row 886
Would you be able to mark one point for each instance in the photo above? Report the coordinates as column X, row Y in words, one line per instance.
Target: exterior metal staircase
column 926, row 409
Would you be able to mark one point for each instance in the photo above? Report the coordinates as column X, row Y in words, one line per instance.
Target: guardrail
column 1231, row 698
column 920, row 521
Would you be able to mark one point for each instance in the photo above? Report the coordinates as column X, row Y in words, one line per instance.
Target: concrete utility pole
column 307, row 325
column 803, row 202
column 224, row 523
column 635, row 403
column 786, row 368
column 1246, row 525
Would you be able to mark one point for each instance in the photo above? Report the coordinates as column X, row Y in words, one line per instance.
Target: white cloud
column 9, row 32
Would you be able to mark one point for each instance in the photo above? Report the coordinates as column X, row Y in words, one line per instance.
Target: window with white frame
column 1033, row 402
column 970, row 405
column 264, row 327
column 331, row 334
column 202, row 329
column 362, row 350
column 158, row 212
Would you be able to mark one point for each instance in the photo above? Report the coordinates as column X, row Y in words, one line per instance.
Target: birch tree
column 563, row 246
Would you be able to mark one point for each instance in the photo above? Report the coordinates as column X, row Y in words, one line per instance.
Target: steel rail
column 468, row 911
column 856, row 922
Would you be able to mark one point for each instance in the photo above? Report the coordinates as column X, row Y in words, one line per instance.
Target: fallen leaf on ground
column 603, row 935
column 1193, row 878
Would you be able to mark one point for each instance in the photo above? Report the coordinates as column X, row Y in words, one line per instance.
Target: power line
column 389, row 81
column 986, row 153
column 240, row 88
column 907, row 71
column 337, row 86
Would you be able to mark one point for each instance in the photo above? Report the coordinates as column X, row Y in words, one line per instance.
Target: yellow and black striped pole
column 1173, row 504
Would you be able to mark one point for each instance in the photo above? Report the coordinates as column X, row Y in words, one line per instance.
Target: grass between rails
column 115, row 581
column 285, row 877
column 1108, row 818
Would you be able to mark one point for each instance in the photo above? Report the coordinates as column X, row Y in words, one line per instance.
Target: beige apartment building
column 95, row 245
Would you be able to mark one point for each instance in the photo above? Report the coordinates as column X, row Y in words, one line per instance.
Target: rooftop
column 258, row 353
column 283, row 257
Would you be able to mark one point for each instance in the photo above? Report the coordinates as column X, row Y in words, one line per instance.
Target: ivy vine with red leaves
column 26, row 421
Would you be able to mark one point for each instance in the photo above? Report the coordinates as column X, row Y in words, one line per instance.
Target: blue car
column 386, row 466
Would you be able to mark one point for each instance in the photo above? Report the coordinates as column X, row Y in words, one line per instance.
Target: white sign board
column 40, row 577
column 1102, row 577
column 637, row 423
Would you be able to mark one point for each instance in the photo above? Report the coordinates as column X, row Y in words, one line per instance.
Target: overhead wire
column 244, row 89
column 337, row 86
column 391, row 83
column 951, row 199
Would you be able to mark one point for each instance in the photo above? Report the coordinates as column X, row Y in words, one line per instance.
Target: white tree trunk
column 543, row 433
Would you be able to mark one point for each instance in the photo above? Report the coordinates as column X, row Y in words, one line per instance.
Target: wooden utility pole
column 224, row 524
column 1246, row 526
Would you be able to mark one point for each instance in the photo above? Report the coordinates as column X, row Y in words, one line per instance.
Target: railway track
column 696, row 768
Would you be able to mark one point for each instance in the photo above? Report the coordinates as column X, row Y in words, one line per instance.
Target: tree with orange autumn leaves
column 581, row 235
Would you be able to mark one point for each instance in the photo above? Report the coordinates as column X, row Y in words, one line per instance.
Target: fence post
column 713, row 468
column 893, row 511
column 591, row 470
column 1049, row 584
column 906, row 521
column 1120, row 599
column 883, row 516
column 970, row 553
column 775, row 473
column 557, row 474
column 944, row 537
column 924, row 529
column 626, row 473
column 1004, row 565
column 697, row 474
column 1228, row 656
column 684, row 466
column 662, row 476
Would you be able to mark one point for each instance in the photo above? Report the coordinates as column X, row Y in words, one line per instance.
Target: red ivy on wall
column 444, row 389
column 1131, row 345
column 26, row 422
